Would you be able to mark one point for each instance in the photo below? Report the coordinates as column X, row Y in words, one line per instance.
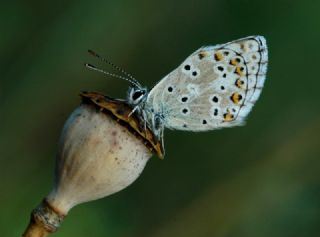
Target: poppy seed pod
column 102, row 150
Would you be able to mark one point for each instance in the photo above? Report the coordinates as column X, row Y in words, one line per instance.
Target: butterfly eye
column 138, row 94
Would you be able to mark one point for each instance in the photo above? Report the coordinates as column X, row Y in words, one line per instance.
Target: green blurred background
column 259, row 180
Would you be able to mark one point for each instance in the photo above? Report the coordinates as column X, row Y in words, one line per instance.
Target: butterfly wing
column 214, row 87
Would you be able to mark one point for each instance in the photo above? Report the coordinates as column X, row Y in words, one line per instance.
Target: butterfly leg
column 134, row 110
column 141, row 113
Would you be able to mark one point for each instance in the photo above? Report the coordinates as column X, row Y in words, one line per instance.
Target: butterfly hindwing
column 214, row 87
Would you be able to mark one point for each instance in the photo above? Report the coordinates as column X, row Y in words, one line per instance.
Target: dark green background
column 259, row 180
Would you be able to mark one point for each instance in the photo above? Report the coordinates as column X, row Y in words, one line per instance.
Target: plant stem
column 44, row 220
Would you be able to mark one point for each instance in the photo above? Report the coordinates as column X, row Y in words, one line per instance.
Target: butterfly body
column 214, row 87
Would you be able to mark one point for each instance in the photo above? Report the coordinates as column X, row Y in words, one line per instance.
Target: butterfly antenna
column 94, row 68
column 112, row 65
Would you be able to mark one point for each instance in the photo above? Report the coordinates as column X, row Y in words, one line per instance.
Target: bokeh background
column 259, row 180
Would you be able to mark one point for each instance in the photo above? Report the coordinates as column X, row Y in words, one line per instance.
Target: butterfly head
column 136, row 95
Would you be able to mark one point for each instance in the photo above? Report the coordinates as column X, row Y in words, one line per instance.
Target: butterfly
column 215, row 87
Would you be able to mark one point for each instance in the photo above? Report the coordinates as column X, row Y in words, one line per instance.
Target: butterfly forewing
column 214, row 87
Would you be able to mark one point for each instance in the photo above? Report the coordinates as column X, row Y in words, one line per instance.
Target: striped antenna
column 115, row 67
column 94, row 68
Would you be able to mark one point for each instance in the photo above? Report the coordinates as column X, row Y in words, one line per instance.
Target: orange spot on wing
column 236, row 97
column 239, row 71
column 239, row 83
column 227, row 117
column 233, row 62
column 202, row 54
column 218, row 56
